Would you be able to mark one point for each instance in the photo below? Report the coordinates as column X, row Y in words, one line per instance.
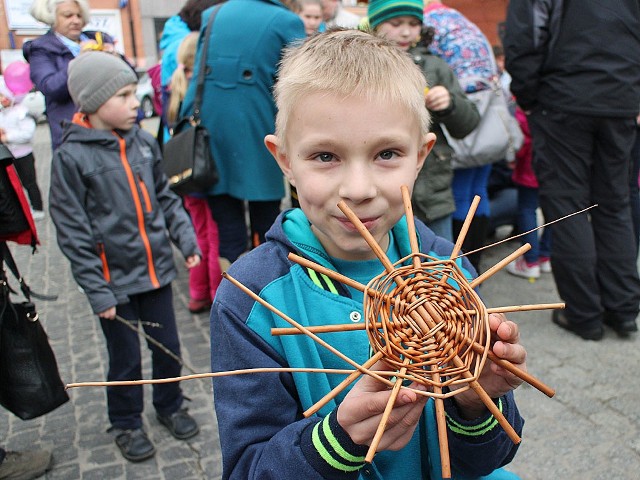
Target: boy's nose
column 357, row 185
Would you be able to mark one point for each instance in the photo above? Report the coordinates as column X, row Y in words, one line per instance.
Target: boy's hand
column 109, row 314
column 437, row 99
column 496, row 381
column 192, row 261
column 361, row 410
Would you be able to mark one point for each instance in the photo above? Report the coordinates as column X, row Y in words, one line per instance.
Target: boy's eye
column 387, row 154
column 324, row 157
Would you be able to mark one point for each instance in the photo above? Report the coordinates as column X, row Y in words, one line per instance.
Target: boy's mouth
column 368, row 222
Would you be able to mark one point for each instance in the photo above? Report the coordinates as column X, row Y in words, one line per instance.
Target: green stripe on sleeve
column 474, row 430
column 326, row 454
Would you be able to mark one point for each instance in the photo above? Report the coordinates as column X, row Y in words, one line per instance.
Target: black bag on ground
column 187, row 157
column 30, row 384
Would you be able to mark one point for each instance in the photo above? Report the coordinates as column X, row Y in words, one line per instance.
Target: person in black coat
column 575, row 73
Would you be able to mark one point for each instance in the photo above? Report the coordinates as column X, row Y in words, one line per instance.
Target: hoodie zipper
column 139, row 213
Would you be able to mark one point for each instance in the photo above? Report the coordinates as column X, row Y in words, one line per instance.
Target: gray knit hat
column 94, row 77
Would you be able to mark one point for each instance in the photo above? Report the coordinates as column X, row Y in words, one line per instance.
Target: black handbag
column 187, row 158
column 30, row 384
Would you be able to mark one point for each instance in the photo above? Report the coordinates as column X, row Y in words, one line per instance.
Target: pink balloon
column 16, row 78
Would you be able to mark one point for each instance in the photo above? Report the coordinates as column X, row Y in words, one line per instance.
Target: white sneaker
column 545, row 266
column 520, row 268
column 37, row 214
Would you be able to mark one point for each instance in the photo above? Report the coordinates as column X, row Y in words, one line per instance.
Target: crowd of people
column 328, row 106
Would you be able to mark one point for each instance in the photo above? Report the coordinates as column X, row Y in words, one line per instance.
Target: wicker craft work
column 423, row 317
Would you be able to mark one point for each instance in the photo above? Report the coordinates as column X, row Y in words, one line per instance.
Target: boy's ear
column 273, row 145
column 429, row 142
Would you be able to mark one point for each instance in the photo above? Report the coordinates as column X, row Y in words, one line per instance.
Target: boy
column 114, row 214
column 352, row 126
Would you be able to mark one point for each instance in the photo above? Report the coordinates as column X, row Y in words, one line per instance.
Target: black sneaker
column 180, row 424
column 134, row 445
column 25, row 465
column 594, row 333
column 622, row 327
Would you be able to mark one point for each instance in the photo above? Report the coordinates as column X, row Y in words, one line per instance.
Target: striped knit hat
column 382, row 10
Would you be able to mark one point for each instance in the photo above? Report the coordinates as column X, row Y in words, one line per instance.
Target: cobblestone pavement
column 590, row 430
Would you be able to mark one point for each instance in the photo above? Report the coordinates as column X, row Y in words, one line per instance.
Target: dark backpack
column 16, row 223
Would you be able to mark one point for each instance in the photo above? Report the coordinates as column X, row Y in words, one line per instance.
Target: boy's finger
column 505, row 330
column 515, row 353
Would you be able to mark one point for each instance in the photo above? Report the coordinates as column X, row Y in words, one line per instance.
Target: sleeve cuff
column 475, row 430
column 330, row 450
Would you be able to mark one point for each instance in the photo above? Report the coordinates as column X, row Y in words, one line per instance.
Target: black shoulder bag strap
column 202, row 65
column 7, row 257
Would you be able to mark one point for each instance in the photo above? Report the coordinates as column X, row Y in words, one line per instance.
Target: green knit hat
column 382, row 10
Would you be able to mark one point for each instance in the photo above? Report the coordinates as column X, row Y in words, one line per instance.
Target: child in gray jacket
column 115, row 216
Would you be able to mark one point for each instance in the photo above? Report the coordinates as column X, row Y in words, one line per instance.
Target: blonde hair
column 349, row 62
column 45, row 10
column 186, row 57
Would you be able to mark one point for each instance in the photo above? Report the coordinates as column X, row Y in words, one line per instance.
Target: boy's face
column 120, row 111
column 356, row 150
column 404, row 31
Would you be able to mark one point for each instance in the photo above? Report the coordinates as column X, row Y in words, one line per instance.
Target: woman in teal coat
column 245, row 45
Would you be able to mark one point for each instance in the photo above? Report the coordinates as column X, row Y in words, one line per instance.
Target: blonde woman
column 50, row 54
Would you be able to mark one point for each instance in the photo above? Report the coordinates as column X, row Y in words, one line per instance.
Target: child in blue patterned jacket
column 352, row 126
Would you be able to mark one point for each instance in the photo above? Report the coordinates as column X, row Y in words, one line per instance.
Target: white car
column 144, row 92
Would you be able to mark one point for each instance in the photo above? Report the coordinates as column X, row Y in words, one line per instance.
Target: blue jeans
column 125, row 404
column 528, row 220
column 467, row 183
column 504, row 208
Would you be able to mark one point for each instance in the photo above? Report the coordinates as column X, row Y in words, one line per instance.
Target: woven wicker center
column 423, row 318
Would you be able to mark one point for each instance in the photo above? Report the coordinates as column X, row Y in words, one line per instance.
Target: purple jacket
column 49, row 59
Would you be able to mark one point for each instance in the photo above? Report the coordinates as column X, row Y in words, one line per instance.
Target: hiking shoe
column 180, row 424
column 545, row 265
column 594, row 333
column 520, row 268
column 25, row 465
column 199, row 306
column 134, row 445
column 622, row 327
